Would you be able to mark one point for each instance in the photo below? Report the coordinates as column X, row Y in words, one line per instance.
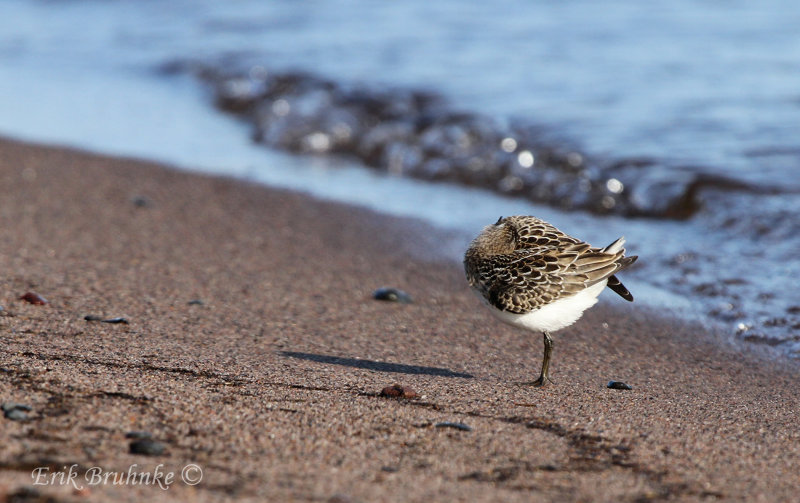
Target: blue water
column 712, row 87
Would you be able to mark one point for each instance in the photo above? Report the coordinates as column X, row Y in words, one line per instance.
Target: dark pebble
column 417, row 133
column 398, row 391
column 34, row 298
column 195, row 302
column 618, row 385
column 147, row 446
column 392, row 295
column 457, row 426
column 138, row 434
column 16, row 415
column 91, row 317
column 116, row 320
column 7, row 406
column 141, row 202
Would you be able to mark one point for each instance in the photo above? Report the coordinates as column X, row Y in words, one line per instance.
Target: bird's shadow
column 399, row 368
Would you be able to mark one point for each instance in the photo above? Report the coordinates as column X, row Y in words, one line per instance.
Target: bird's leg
column 544, row 377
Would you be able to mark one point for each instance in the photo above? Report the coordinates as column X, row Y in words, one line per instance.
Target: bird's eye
column 498, row 221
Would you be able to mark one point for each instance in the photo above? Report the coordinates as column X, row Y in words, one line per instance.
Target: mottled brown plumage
column 534, row 276
column 522, row 263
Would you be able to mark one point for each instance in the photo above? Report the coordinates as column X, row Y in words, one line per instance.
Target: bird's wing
column 534, row 233
column 528, row 278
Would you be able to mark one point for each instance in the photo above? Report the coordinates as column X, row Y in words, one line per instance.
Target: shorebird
column 532, row 275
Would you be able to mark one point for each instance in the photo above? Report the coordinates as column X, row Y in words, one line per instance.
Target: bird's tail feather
column 615, row 246
column 618, row 288
column 615, row 284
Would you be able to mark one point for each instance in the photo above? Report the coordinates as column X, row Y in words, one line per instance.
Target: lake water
column 675, row 123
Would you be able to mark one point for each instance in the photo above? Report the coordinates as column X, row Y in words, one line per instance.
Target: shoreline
column 270, row 383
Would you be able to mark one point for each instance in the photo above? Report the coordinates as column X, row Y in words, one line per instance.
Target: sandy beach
column 254, row 354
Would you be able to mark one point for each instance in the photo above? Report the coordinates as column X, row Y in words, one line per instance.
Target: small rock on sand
column 399, row 391
column 392, row 295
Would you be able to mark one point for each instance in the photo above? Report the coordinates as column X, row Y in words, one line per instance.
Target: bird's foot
column 541, row 382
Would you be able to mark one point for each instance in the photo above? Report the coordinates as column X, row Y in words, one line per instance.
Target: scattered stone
column 416, row 133
column 392, row 295
column 141, row 202
column 7, row 406
column 116, row 320
column 16, row 415
column 456, row 426
column 196, row 302
column 763, row 339
column 91, row 317
column 778, row 321
column 34, row 298
column 138, row 434
column 399, row 391
column 618, row 385
column 147, row 447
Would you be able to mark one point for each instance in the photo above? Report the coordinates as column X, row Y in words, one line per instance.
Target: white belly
column 557, row 315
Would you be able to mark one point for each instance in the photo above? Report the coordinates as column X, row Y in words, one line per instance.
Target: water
column 688, row 91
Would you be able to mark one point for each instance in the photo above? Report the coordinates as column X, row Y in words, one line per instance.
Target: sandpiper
column 532, row 275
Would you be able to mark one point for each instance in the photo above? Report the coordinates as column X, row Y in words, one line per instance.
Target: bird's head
column 497, row 239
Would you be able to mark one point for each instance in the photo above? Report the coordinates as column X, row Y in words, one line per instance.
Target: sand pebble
column 141, row 201
column 34, row 298
column 7, row 406
column 91, row 317
column 399, row 391
column 618, row 385
column 16, row 415
column 457, row 426
column 116, row 320
column 196, row 302
column 138, row 434
column 147, row 446
column 392, row 295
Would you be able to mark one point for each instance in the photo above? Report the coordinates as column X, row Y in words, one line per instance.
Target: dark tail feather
column 616, row 285
column 619, row 288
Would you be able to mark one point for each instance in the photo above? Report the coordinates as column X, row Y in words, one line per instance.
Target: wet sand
column 269, row 381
